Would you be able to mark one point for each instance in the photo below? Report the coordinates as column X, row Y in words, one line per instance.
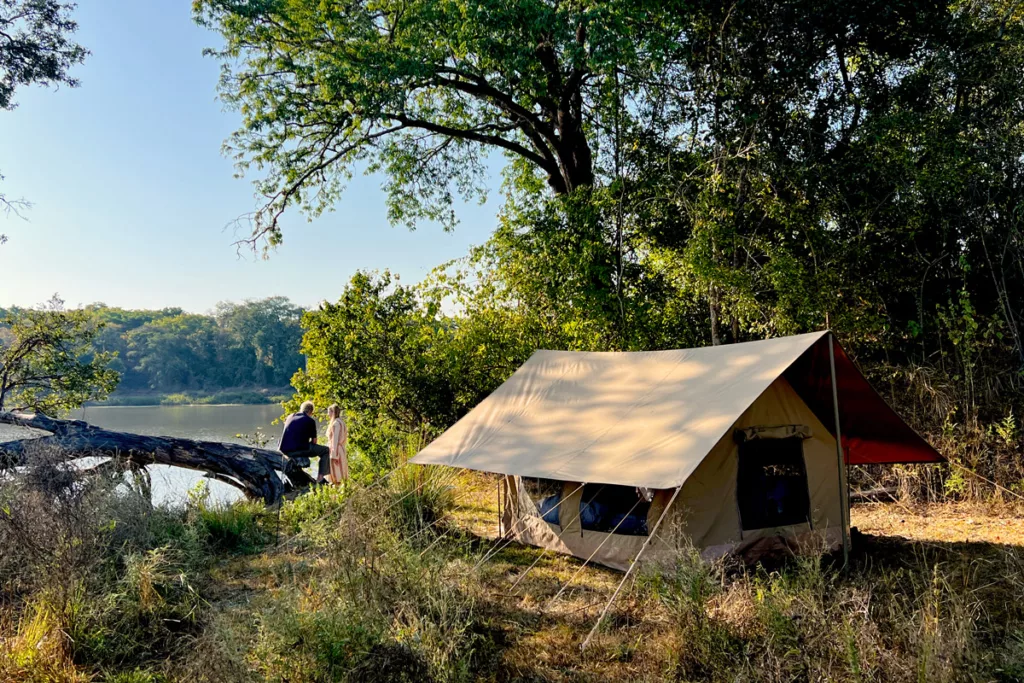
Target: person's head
column 333, row 411
column 306, row 408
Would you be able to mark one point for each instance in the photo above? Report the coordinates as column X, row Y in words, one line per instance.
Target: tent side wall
column 611, row 550
column 707, row 510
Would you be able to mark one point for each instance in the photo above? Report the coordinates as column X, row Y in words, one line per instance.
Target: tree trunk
column 253, row 470
column 716, row 327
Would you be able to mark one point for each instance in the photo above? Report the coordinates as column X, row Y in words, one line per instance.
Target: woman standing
column 337, row 437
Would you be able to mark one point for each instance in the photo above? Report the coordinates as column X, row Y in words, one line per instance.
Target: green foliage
column 333, row 642
column 261, row 345
column 36, row 47
column 152, row 601
column 136, row 676
column 322, row 505
column 199, row 398
column 757, row 170
column 400, row 368
column 174, row 351
column 721, row 173
column 242, row 526
column 105, row 582
column 47, row 360
column 422, row 92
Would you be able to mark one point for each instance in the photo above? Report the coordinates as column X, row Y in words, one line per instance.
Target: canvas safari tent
column 610, row 455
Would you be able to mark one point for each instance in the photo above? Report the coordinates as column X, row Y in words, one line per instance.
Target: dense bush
column 173, row 356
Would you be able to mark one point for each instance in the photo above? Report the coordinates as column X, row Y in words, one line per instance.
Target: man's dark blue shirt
column 299, row 432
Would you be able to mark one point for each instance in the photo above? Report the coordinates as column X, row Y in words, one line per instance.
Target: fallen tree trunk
column 874, row 495
column 253, row 470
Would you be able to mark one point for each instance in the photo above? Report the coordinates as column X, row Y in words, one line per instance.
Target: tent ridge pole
column 843, row 503
column 629, row 571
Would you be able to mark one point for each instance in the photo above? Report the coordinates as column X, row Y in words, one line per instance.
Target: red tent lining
column 872, row 432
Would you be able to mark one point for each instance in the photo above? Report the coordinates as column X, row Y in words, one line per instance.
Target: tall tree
column 35, row 47
column 176, row 353
column 262, row 340
column 421, row 90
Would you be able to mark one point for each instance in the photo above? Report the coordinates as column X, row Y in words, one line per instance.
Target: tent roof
column 650, row 418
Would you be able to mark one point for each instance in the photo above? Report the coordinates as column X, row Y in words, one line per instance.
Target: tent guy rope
column 629, row 571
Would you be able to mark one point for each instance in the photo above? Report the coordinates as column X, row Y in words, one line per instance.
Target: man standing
column 298, row 441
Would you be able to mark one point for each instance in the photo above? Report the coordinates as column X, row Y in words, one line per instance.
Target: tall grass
column 242, row 526
column 95, row 581
column 377, row 582
column 926, row 618
column 373, row 607
column 370, row 604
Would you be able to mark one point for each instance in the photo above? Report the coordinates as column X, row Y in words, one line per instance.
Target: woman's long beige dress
column 337, row 437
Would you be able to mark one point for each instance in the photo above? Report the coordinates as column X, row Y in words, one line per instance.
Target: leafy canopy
column 35, row 47
column 249, row 344
column 779, row 167
column 421, row 91
column 399, row 366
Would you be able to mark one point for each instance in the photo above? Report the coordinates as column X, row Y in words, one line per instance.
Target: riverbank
column 235, row 396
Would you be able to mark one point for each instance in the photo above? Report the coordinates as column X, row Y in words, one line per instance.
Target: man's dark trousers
column 315, row 450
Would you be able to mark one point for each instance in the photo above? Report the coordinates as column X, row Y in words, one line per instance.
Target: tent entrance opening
column 772, row 486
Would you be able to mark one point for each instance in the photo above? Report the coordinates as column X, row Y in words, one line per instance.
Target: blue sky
column 131, row 194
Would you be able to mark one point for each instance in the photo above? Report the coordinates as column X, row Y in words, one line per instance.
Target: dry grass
column 392, row 584
column 923, row 608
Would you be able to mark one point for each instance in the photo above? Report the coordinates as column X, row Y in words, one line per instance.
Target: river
column 211, row 423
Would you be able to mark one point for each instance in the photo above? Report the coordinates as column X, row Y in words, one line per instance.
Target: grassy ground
column 398, row 583
column 952, row 598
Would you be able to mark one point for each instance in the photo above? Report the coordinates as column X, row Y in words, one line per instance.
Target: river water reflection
column 210, row 423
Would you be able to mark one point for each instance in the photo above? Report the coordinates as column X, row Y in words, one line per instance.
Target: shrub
column 87, row 561
column 178, row 399
column 313, row 510
column 153, row 602
column 243, row 526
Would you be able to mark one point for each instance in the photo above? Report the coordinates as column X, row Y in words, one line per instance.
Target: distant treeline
column 253, row 344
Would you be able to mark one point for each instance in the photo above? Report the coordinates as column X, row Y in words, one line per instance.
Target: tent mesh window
column 772, row 485
column 613, row 509
column 546, row 494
